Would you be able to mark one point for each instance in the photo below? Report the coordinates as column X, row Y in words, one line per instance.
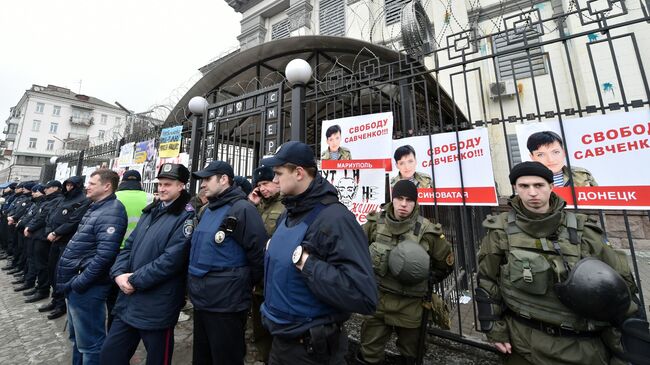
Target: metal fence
column 464, row 80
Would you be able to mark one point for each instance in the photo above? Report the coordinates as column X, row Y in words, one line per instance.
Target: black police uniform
column 36, row 227
column 21, row 208
column 226, row 258
column 28, row 257
column 63, row 222
column 337, row 278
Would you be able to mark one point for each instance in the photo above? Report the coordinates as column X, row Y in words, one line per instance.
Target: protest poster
column 443, row 155
column 126, row 154
column 607, row 158
column 354, row 157
column 62, row 171
column 170, row 142
column 144, row 151
column 359, row 142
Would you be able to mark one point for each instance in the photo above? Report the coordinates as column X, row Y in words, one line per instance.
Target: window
column 281, row 29
column 50, row 144
column 54, row 127
column 13, row 129
column 116, row 133
column 32, row 143
column 36, row 125
column 521, row 64
column 101, row 134
column 331, row 17
column 393, row 10
column 40, row 107
column 56, row 110
column 117, row 120
column 103, row 119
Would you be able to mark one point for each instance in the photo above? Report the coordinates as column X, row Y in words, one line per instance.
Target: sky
column 137, row 52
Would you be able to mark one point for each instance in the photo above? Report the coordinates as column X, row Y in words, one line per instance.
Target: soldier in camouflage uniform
column 266, row 196
column 400, row 232
column 406, row 163
column 547, row 147
column 525, row 253
column 334, row 150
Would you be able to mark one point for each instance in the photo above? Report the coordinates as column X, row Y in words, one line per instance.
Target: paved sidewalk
column 27, row 336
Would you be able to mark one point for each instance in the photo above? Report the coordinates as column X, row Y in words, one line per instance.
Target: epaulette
column 594, row 225
column 493, row 222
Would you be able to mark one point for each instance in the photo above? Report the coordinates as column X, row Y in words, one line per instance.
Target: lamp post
column 298, row 73
column 198, row 107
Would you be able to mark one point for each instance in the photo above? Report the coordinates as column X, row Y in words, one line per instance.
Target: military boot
column 37, row 297
column 58, row 312
column 24, row 287
column 47, row 307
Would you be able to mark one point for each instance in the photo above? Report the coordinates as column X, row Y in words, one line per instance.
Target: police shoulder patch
column 110, row 230
column 189, row 207
column 188, row 228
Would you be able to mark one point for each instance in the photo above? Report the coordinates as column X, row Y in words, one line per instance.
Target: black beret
column 530, row 168
column 406, row 189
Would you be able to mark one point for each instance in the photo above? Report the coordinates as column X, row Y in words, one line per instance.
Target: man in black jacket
column 36, row 230
column 28, row 242
column 60, row 226
column 317, row 265
column 226, row 258
column 151, row 272
column 20, row 207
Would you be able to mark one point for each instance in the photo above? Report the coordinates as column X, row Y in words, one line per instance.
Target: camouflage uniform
column 400, row 306
column 270, row 209
column 518, row 266
column 344, row 154
column 581, row 176
column 421, row 180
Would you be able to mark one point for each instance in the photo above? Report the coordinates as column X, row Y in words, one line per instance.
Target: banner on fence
column 144, row 151
column 170, row 142
column 360, row 142
column 444, row 154
column 354, row 158
column 62, row 171
column 126, row 154
column 608, row 157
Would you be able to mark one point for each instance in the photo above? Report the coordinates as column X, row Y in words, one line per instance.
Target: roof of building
column 65, row 93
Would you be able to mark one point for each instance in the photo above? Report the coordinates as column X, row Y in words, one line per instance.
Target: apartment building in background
column 52, row 121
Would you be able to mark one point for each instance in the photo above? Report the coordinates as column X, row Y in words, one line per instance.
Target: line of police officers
column 303, row 264
column 37, row 222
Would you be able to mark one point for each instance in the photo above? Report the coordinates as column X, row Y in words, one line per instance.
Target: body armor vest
column 534, row 265
column 287, row 299
column 384, row 242
column 207, row 254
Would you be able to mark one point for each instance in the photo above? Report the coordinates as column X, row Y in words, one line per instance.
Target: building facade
column 467, row 38
column 51, row 121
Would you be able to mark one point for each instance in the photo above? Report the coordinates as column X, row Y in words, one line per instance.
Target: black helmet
column 595, row 291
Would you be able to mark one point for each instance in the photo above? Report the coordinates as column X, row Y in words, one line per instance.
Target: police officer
column 317, row 265
column 21, row 207
column 527, row 254
column 151, row 271
column 60, row 226
column 226, row 258
column 134, row 199
column 36, row 230
column 403, row 245
column 266, row 196
column 28, row 241
column 8, row 194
